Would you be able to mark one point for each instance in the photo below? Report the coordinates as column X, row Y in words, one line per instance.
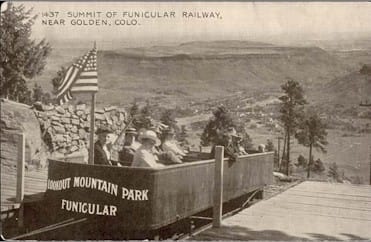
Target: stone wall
column 65, row 129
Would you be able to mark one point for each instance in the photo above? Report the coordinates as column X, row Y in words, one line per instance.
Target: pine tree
column 21, row 57
column 312, row 134
column 291, row 112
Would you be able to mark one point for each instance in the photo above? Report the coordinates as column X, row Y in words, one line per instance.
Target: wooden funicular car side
column 158, row 197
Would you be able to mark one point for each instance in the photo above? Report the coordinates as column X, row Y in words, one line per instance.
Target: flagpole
column 92, row 129
column 92, row 125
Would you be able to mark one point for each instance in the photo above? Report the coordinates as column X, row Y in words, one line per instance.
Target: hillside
column 201, row 70
column 350, row 89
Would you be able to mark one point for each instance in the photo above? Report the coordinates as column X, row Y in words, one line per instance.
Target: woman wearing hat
column 102, row 150
column 146, row 156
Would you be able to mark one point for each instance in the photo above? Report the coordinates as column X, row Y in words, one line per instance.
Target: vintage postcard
column 185, row 120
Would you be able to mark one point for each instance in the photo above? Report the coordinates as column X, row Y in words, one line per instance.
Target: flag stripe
column 87, row 81
column 66, row 78
column 71, row 80
column 89, row 73
column 85, row 89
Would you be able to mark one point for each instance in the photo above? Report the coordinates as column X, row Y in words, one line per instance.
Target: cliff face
column 18, row 118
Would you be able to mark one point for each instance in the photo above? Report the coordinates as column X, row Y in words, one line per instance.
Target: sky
column 238, row 21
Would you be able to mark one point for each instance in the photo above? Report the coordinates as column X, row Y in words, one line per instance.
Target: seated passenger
column 236, row 140
column 230, row 140
column 145, row 156
column 130, row 146
column 169, row 144
column 102, row 148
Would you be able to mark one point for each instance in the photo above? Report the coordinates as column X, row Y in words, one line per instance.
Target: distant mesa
column 201, row 69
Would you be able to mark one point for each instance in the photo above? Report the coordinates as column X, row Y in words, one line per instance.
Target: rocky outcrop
column 20, row 118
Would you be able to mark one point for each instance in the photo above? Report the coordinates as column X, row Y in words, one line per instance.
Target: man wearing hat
column 130, row 145
column 146, row 155
column 130, row 138
column 231, row 142
column 235, row 142
column 102, row 148
column 169, row 144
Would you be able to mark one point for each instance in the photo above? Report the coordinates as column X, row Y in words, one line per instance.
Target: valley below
column 194, row 78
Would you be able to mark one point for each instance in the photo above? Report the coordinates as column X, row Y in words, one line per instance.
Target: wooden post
column 20, row 167
column 92, row 129
column 20, row 176
column 218, row 186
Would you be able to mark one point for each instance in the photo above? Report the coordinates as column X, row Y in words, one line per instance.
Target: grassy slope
column 352, row 88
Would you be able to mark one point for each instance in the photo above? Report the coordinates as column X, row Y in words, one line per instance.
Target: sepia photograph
column 185, row 120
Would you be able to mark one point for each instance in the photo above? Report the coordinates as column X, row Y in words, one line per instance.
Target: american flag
column 82, row 76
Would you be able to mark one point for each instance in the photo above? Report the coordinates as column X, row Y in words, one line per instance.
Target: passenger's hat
column 149, row 134
column 131, row 131
column 103, row 129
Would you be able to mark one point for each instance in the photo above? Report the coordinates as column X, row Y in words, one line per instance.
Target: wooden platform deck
column 307, row 211
column 35, row 186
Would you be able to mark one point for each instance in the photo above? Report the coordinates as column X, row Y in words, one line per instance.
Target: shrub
column 269, row 146
column 333, row 172
column 302, row 162
column 213, row 130
column 318, row 166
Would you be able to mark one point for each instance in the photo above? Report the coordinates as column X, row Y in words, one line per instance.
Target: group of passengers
column 145, row 149
column 141, row 149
